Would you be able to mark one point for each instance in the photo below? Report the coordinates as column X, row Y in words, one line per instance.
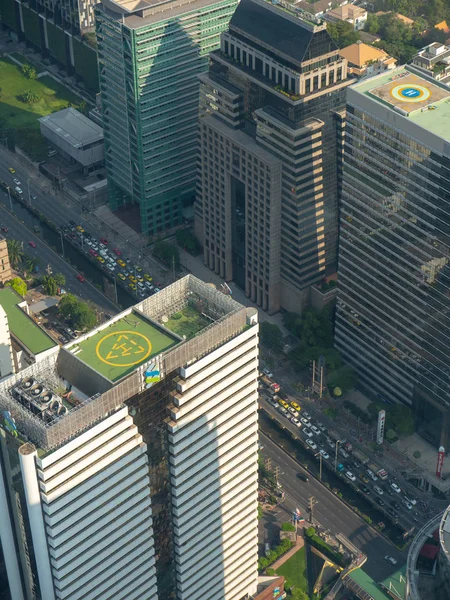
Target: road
column 331, row 513
column 47, row 256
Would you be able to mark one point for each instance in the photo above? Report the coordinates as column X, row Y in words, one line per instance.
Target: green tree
column 29, row 72
column 15, row 252
column 287, row 526
column 30, row 263
column 299, row 594
column 29, row 97
column 271, row 336
column 18, row 285
column 343, row 33
column 67, row 305
column 187, row 240
column 60, row 280
column 50, row 285
column 81, row 314
column 372, row 24
column 83, row 107
column 310, row 532
column 168, row 253
column 344, row 378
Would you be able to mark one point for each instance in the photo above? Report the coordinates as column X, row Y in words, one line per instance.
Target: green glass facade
column 148, row 65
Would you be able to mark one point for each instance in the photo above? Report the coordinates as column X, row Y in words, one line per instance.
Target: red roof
column 429, row 551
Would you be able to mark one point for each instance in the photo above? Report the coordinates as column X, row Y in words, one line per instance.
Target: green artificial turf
column 119, row 348
column 21, row 325
column 294, row 570
column 187, row 322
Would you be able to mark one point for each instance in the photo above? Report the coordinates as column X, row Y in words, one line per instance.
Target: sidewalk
column 300, row 543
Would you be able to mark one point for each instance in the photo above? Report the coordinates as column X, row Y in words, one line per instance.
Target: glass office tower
column 393, row 314
column 150, row 54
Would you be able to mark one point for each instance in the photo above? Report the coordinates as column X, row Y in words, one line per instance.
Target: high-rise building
column 392, row 321
column 271, row 126
column 129, row 457
column 150, row 54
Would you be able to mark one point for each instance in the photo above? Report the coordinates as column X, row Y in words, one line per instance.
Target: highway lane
column 330, row 512
column 47, row 256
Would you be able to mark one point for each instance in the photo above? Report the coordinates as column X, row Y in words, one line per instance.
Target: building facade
column 129, row 459
column 5, row 265
column 392, row 320
column 271, row 127
column 149, row 58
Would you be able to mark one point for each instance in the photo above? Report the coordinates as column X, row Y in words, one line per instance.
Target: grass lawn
column 24, row 117
column 119, row 348
column 294, row 570
column 187, row 322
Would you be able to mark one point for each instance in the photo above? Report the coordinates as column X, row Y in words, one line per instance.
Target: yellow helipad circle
column 410, row 92
column 123, row 348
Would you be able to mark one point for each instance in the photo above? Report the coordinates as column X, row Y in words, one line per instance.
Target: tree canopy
column 343, row 33
column 168, row 253
column 399, row 417
column 18, row 285
column 81, row 314
column 271, row 336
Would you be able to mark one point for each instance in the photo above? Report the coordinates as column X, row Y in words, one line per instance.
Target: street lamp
column 29, row 195
column 62, row 243
column 336, row 454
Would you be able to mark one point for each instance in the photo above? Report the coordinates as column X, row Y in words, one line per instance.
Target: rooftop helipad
column 117, row 350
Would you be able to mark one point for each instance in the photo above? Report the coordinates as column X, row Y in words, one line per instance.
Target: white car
column 390, row 559
column 324, row 454
column 407, row 504
column 306, row 415
column 410, row 500
column 296, row 422
column 304, row 421
column 395, row 487
column 311, row 444
column 285, row 412
column 16, row 181
column 268, row 372
column 378, row 490
column 321, row 426
column 315, row 429
column 350, row 476
column 308, row 433
column 293, row 411
column 371, row 474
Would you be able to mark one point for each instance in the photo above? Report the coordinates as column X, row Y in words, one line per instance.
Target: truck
column 336, row 437
column 382, row 474
column 266, row 381
column 373, row 467
column 340, row 467
column 361, row 457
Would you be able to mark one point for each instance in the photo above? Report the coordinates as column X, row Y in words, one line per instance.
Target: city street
column 330, row 512
column 47, row 256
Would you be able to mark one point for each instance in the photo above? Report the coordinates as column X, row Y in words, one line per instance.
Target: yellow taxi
column 132, row 278
column 139, row 278
column 80, row 229
column 283, row 403
column 11, row 170
column 132, row 286
column 121, row 276
column 100, row 259
column 147, row 277
column 139, row 269
column 296, row 406
column 121, row 263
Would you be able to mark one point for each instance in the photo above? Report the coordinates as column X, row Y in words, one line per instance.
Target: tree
column 343, row 33
column 29, row 97
column 67, row 305
column 15, row 252
column 168, row 253
column 18, row 285
column 310, row 532
column 50, row 285
column 271, row 336
column 287, row 526
column 81, row 314
column 29, row 71
column 83, row 107
column 372, row 24
column 299, row 594
column 344, row 378
column 60, row 280
column 187, row 240
column 31, row 263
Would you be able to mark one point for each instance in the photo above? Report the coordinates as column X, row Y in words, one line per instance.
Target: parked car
column 268, row 372
column 5, row 229
column 293, row 411
column 321, row 426
column 92, row 252
column 311, row 444
column 104, row 241
column 117, row 252
column 390, row 559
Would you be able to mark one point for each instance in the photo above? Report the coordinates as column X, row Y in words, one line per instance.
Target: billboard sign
column 440, row 462
column 381, row 424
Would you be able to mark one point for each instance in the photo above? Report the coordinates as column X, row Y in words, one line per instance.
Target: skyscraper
column 129, row 457
column 392, row 321
column 150, row 54
column 271, row 127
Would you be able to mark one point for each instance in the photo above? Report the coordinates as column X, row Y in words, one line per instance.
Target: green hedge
column 8, row 14
column 32, row 26
column 272, row 556
column 86, row 65
column 57, row 43
column 323, row 547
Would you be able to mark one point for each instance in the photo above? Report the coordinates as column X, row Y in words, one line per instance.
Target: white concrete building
column 136, row 483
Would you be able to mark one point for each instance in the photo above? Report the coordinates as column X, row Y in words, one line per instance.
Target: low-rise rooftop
column 414, row 97
column 23, row 328
column 74, row 127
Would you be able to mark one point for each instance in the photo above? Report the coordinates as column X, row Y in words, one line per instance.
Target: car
column 296, row 406
column 303, row 477
column 267, row 372
column 363, row 478
column 315, row 429
column 79, row 228
column 407, row 504
column 33, row 197
column 147, row 277
column 80, row 278
column 393, row 513
column 121, row 276
column 324, row 454
column 410, row 500
column 311, row 444
column 138, row 269
column 104, row 241
column 16, row 181
column 117, row 252
column 5, row 229
column 283, row 403
column 92, row 252
column 296, row 422
column 304, row 421
column 390, row 559
column 350, row 476
column 18, row 190
column 371, row 474
column 157, row 289
column 63, row 339
column 379, row 501
column 274, row 403
column 32, row 244
column 378, row 490
column 100, row 259
column 308, row 433
column 321, row 426
column 132, row 278
column 132, row 287
column 364, row 489
column 356, row 464
column 395, row 504
column 11, row 170
column 121, row 263
column 139, row 278
column 293, row 411
column 284, row 411
column 306, row 415
column 395, row 487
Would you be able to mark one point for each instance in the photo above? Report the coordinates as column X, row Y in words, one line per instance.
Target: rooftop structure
column 91, row 374
column 355, row 15
column 365, row 60
column 23, row 328
column 402, row 18
column 424, row 103
column 434, row 61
